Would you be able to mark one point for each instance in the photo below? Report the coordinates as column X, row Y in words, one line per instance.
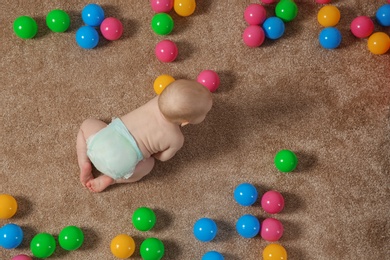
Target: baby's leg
column 142, row 169
column 100, row 183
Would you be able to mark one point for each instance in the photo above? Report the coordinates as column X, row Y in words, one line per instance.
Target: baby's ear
column 184, row 124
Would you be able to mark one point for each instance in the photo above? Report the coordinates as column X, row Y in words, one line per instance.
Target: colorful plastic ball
column 205, row 229
column 274, row 252
column 71, row 238
column 161, row 82
column 248, row 226
column 213, row 255
column 209, row 79
column 25, row 27
column 144, row 219
column 21, row 257
column 152, row 249
column 323, row 1
column 378, row 43
column 328, row 15
column 166, row 51
column 58, row 20
column 43, row 245
column 122, row 246
column 272, row 202
column 255, row 14
column 245, row 194
column 271, row 229
column 161, row 6
column 273, row 28
column 362, row 26
column 92, row 14
column 330, row 38
column 111, row 28
column 11, row 236
column 286, row 10
column 184, row 7
column 87, row 37
column 285, row 160
column 162, row 23
column 253, row 36
column 269, row 1
column 8, row 206
column 383, row 15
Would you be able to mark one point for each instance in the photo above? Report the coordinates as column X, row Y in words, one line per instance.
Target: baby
column 124, row 150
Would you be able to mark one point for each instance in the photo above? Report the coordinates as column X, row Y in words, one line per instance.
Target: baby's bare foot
column 100, row 183
column 86, row 173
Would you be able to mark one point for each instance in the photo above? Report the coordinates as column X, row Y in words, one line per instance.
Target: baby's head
column 185, row 102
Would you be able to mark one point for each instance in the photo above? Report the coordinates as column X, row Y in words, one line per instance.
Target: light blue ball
column 330, row 38
column 205, row 229
column 11, row 236
column 383, row 15
column 248, row 226
column 273, row 28
column 245, row 194
column 213, row 255
column 92, row 15
column 87, row 37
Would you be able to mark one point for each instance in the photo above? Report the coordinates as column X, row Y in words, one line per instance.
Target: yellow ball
column 184, row 7
column 328, row 15
column 274, row 252
column 122, row 246
column 378, row 43
column 161, row 82
column 8, row 206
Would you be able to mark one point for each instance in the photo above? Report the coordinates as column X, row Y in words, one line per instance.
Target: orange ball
column 184, row 7
column 8, row 206
column 122, row 246
column 328, row 15
column 378, row 43
column 161, row 82
column 274, row 252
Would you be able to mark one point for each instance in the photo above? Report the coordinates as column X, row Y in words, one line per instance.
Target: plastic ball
column 272, row 202
column 92, row 14
column 58, row 20
column 255, row 14
column 111, row 28
column 152, row 249
column 8, row 206
column 271, row 229
column 71, row 238
column 286, row 10
column 323, row 1
column 21, row 257
column 285, row 161
column 209, row 79
column 205, row 229
column 245, row 194
column 330, row 38
column 122, row 246
column 25, row 27
column 161, row 82
column 328, row 15
column 161, row 6
column 253, row 36
column 378, row 43
column 248, row 226
column 184, row 7
column 166, row 51
column 87, row 37
column 383, row 15
column 269, row 1
column 144, row 219
column 274, row 252
column 273, row 28
column 43, row 245
column 213, row 255
column 11, row 236
column 162, row 24
column 362, row 26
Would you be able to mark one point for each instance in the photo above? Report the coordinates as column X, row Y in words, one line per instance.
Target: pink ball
column 209, row 79
column 362, row 26
column 253, row 36
column 323, row 1
column 268, row 1
column 255, row 14
column 111, row 28
column 21, row 257
column 161, row 6
column 272, row 202
column 271, row 229
column 166, row 51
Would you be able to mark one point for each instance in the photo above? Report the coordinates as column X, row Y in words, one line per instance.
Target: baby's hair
column 184, row 100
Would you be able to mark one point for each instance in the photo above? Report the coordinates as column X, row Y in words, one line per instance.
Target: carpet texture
column 331, row 107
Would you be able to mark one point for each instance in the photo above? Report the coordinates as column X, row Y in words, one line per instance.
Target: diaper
column 114, row 151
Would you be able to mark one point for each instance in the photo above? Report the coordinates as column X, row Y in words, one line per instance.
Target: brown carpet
column 331, row 107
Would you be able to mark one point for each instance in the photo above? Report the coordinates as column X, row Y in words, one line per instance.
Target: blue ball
column 330, row 38
column 213, row 255
column 92, row 15
column 383, row 15
column 273, row 28
column 11, row 236
column 87, row 37
column 248, row 226
column 205, row 229
column 245, row 194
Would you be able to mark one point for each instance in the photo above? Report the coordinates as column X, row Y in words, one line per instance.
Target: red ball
column 111, row 28
column 272, row 202
column 362, row 26
column 166, row 51
column 209, row 79
column 253, row 36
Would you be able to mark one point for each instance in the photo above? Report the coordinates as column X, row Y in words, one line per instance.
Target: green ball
column 286, row 10
column 286, row 161
column 43, row 245
column 162, row 23
column 71, row 238
column 25, row 27
column 152, row 249
column 144, row 219
column 58, row 20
